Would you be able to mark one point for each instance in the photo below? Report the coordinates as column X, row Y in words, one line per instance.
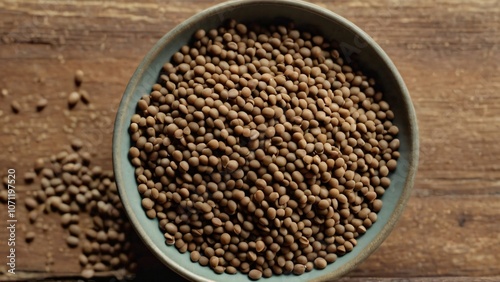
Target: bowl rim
column 121, row 119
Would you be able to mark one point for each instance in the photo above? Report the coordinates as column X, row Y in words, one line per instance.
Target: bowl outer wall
column 370, row 56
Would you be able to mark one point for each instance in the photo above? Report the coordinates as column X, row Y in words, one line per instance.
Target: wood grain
column 447, row 52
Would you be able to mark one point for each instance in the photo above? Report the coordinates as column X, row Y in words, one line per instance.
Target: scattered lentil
column 84, row 95
column 15, row 106
column 73, row 99
column 41, row 104
column 78, row 77
column 29, row 177
column 70, row 186
column 30, row 236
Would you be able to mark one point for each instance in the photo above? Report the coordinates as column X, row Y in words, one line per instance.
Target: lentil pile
column 74, row 189
column 259, row 150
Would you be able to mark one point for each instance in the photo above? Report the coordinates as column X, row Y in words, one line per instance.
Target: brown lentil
column 15, row 106
column 78, row 77
column 30, row 236
column 282, row 150
column 72, row 241
column 255, row 274
column 84, row 96
column 73, row 188
column 73, row 99
column 41, row 104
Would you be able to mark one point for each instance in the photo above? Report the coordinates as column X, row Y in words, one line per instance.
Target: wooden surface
column 446, row 50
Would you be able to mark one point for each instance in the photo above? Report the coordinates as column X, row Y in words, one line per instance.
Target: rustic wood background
column 446, row 50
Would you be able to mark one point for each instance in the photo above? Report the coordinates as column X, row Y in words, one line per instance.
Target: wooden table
column 447, row 51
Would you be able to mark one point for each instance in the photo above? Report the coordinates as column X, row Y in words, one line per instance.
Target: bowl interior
column 353, row 43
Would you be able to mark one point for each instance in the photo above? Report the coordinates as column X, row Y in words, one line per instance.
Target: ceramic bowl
column 354, row 45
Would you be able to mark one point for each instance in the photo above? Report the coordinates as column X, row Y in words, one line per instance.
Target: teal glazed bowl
column 354, row 45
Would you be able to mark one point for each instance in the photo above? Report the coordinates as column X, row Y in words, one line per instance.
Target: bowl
column 355, row 45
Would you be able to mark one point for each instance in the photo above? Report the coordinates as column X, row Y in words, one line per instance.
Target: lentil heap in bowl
column 265, row 139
